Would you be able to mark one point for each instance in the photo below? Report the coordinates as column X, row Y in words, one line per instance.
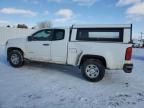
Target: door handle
column 45, row 44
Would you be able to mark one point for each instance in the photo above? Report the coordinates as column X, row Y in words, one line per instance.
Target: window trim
column 120, row 30
column 40, row 31
column 54, row 36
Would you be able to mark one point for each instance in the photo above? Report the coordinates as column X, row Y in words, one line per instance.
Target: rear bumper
column 128, row 68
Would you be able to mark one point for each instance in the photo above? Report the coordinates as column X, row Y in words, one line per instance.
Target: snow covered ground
column 41, row 85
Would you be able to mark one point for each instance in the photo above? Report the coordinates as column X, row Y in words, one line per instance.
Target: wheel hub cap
column 14, row 59
column 92, row 71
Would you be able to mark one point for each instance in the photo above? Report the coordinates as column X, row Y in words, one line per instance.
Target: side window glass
column 43, row 35
column 100, row 34
column 59, row 35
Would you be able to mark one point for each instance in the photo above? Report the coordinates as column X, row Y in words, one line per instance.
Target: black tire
column 97, row 73
column 20, row 59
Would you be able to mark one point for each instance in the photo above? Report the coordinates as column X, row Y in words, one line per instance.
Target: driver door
column 39, row 47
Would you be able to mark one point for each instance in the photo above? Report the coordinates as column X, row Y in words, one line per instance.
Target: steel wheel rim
column 14, row 59
column 92, row 71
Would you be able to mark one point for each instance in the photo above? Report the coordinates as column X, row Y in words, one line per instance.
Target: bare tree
column 33, row 27
column 8, row 26
column 44, row 24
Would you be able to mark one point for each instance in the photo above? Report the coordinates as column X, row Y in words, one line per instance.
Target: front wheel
column 93, row 70
column 15, row 58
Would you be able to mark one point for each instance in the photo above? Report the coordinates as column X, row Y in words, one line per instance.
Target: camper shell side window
column 100, row 34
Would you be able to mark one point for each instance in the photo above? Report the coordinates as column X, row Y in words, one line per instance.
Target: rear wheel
column 93, row 70
column 15, row 58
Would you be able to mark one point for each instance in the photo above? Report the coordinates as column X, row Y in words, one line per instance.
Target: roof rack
column 70, row 32
column 102, row 26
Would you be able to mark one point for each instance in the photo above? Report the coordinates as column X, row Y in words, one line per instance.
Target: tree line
column 40, row 25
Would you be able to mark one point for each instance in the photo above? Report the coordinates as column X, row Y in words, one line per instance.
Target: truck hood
column 17, row 40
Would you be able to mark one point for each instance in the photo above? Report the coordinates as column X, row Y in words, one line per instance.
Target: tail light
column 128, row 54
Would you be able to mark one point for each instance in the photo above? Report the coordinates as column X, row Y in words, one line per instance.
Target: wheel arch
column 14, row 48
column 86, row 57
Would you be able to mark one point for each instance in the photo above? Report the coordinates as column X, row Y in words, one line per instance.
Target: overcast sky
column 67, row 12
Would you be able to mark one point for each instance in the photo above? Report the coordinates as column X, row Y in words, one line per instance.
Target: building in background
column 138, row 43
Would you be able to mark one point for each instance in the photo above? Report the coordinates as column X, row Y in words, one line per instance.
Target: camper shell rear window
column 100, row 34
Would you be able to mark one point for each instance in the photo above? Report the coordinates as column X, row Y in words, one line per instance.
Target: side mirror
column 29, row 38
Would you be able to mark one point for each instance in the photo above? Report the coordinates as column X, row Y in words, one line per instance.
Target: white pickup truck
column 93, row 48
